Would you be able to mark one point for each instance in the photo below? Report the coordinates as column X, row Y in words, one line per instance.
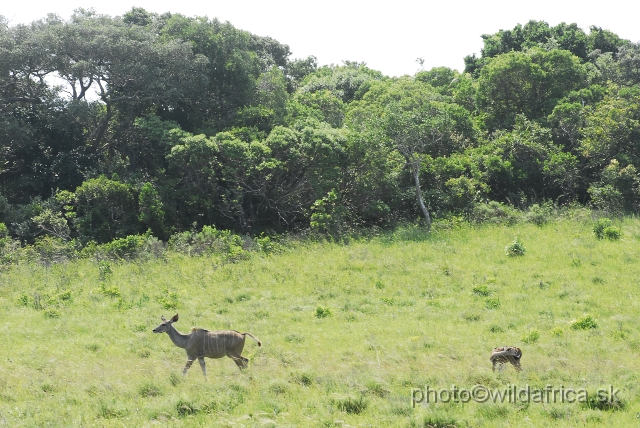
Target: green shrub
column 539, row 214
column 516, row 248
column 151, row 210
column 104, row 270
column 110, row 291
column 4, row 232
column 322, row 312
column 329, row 216
column 130, row 248
column 494, row 212
column 54, row 250
column 612, row 233
column 124, row 248
column 169, row 300
column 492, row 303
column 606, row 197
column 585, row 323
column 9, row 248
column 531, row 337
column 209, row 241
column 266, row 244
column 64, row 296
column 52, row 223
column 105, row 209
column 22, row 300
column 600, row 226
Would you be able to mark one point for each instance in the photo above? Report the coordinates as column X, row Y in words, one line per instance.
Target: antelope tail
column 253, row 337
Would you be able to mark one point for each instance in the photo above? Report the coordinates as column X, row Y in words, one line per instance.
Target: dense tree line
column 115, row 126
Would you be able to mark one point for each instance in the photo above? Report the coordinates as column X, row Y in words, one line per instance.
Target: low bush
column 516, row 248
column 124, row 248
column 539, row 214
column 600, row 225
column 494, row 212
column 531, row 337
column 612, row 233
column 132, row 247
column 51, row 250
column 585, row 323
column 209, row 241
column 322, row 312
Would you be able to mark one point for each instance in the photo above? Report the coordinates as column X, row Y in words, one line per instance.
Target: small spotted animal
column 506, row 354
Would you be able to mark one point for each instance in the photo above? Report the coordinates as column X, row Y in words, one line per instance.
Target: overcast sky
column 389, row 37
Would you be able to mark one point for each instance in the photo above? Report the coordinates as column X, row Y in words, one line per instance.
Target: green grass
column 348, row 332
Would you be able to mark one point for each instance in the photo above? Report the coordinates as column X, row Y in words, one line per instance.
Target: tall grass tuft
column 440, row 421
column 531, row 337
column 351, row 405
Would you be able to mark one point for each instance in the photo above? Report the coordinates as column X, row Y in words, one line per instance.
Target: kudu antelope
column 506, row 354
column 202, row 343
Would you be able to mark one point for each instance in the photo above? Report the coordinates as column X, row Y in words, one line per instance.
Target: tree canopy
column 162, row 123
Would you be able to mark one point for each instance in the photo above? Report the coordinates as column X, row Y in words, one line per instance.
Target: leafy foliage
column 167, row 125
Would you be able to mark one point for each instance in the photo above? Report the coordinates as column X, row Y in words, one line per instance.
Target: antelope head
column 165, row 325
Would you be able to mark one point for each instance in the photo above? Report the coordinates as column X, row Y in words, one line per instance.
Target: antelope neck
column 178, row 339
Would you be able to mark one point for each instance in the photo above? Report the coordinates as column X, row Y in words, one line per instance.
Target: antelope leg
column 240, row 361
column 186, row 367
column 202, row 366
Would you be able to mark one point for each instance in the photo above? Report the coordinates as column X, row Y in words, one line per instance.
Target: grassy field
column 349, row 333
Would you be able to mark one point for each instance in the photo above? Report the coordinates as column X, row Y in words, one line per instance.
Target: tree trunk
column 415, row 170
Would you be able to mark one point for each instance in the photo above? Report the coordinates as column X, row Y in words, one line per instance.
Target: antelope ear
column 175, row 318
column 163, row 318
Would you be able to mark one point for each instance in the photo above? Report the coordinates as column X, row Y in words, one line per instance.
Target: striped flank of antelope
column 201, row 343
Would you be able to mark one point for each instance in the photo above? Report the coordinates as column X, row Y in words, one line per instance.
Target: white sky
column 389, row 37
